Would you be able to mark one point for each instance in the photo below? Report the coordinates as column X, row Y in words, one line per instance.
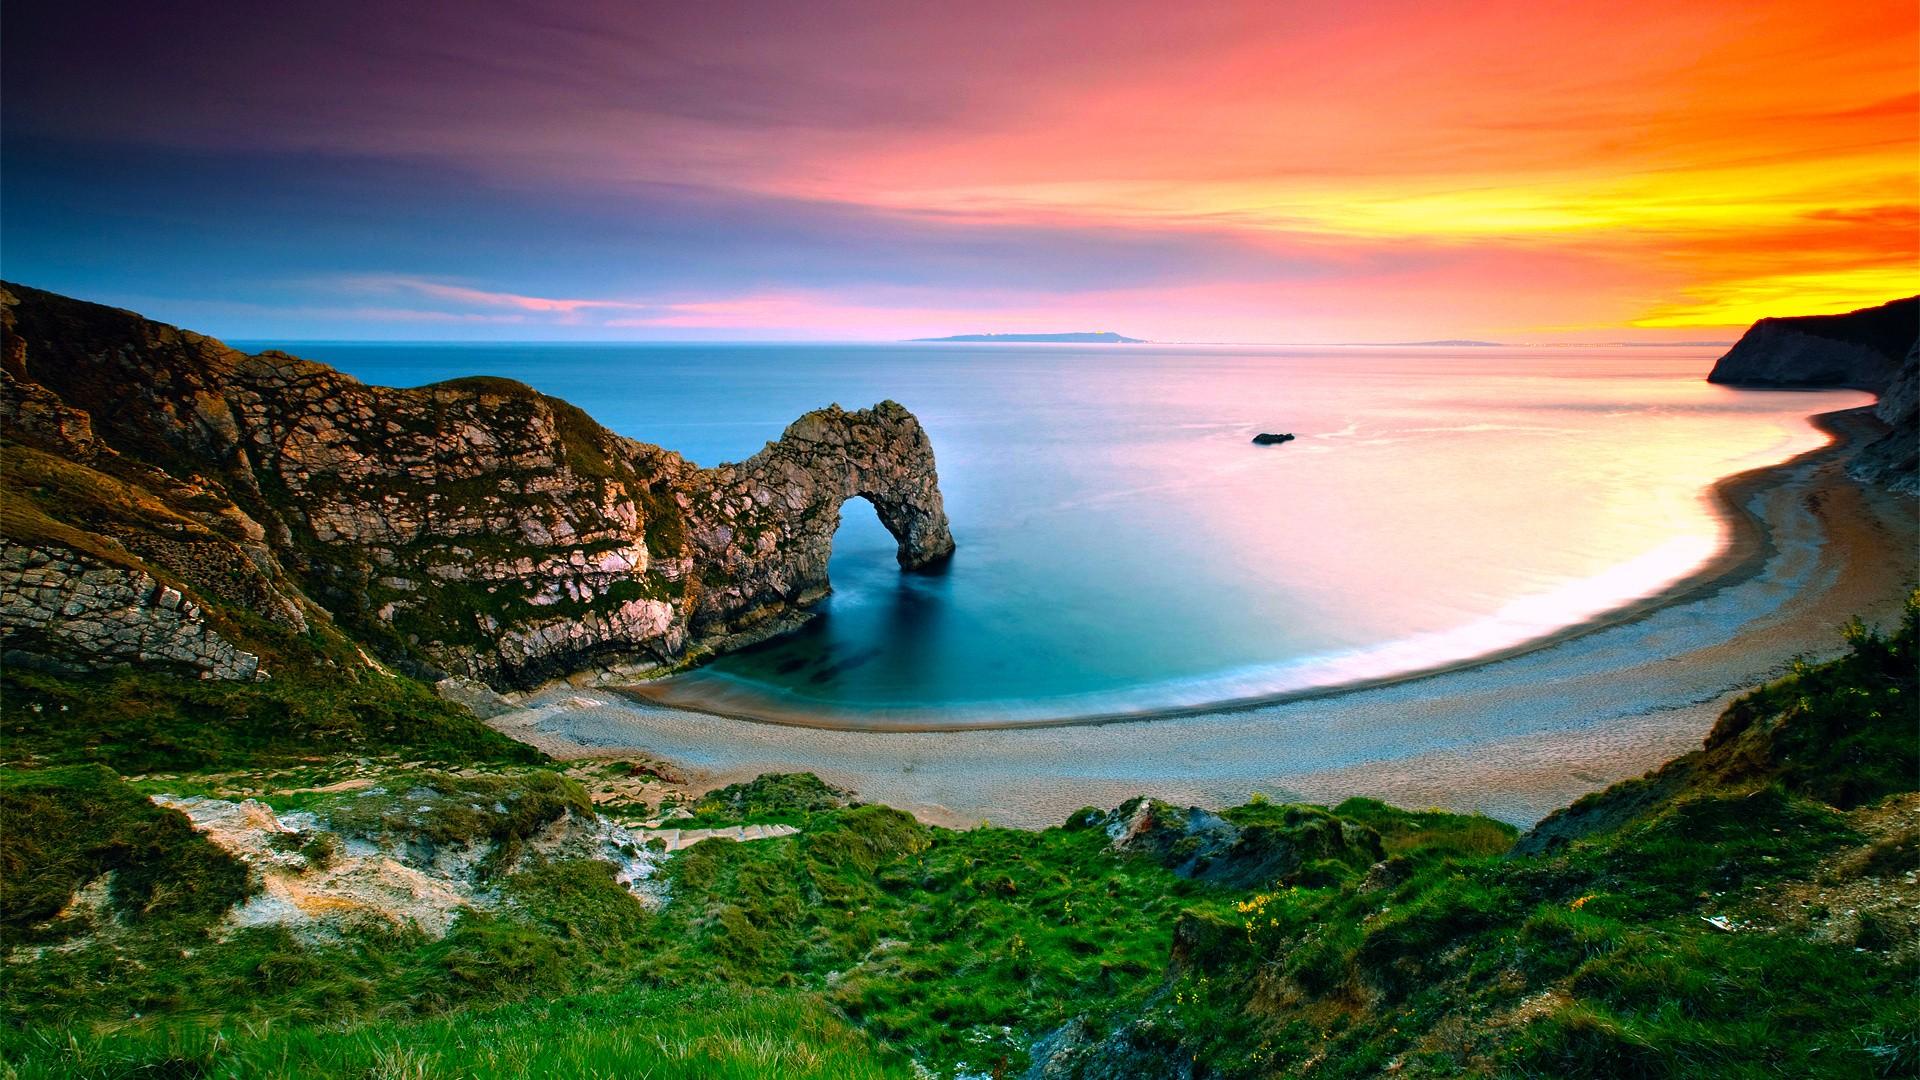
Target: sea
column 1125, row 548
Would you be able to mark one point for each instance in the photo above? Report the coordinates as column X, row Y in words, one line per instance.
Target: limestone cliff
column 273, row 507
column 1871, row 349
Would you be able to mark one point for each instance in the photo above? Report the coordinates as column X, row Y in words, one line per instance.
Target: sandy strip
column 1514, row 736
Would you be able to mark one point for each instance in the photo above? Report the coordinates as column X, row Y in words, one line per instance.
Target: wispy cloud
column 468, row 297
column 1243, row 169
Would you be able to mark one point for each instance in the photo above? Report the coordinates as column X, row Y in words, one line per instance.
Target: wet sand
column 1514, row 735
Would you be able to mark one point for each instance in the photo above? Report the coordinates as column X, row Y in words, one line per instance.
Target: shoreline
column 1514, row 737
column 1748, row 546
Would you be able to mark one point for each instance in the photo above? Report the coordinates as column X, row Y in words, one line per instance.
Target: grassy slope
column 948, row 943
column 869, row 940
column 927, row 939
column 716, row 1033
column 136, row 722
column 1602, row 951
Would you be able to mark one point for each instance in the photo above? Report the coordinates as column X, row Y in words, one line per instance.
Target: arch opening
column 861, row 538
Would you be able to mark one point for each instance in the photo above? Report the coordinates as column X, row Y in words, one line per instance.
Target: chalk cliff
column 168, row 500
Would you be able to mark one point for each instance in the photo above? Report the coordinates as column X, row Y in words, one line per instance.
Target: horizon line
column 1118, row 346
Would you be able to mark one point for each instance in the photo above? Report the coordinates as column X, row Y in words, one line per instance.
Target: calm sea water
column 1123, row 547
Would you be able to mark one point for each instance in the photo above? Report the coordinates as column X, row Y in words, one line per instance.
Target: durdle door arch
column 770, row 520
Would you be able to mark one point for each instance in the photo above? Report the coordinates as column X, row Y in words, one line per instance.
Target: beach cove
column 1513, row 736
column 1123, row 547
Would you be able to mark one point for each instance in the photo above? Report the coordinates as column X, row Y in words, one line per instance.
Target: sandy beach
column 1514, row 735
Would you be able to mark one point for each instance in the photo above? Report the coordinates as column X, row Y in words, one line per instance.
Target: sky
column 1274, row 171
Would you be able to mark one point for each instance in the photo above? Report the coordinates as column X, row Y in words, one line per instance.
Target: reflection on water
column 1124, row 547
column 881, row 625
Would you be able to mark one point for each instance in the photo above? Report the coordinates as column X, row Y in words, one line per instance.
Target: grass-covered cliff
column 1746, row 911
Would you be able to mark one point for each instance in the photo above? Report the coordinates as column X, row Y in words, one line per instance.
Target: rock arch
column 471, row 528
column 763, row 529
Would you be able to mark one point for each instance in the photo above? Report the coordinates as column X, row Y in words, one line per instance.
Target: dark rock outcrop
column 1076, row 1051
column 472, row 528
column 1860, row 350
column 1894, row 458
column 1285, row 845
column 1873, row 349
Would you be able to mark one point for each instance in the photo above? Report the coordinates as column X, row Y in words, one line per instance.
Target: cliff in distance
column 1874, row 349
column 1861, row 350
column 165, row 499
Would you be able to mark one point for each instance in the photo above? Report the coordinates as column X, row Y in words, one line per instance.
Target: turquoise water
column 1124, row 548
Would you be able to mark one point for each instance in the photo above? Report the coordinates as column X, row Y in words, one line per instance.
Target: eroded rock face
column 472, row 528
column 1894, row 458
column 318, row 882
column 53, row 602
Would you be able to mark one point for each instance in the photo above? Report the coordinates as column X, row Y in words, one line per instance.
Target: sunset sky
column 1364, row 171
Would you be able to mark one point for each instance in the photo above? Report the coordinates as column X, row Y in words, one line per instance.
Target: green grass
column 556, row 925
column 140, row 722
column 1429, row 834
column 1371, row 939
column 1842, row 732
column 438, row 809
column 775, row 798
column 932, row 939
column 1606, row 932
column 714, row 1033
column 62, row 828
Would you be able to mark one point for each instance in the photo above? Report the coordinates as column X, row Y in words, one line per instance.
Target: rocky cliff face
column 1894, row 459
column 1871, row 349
column 52, row 600
column 472, row 528
column 1861, row 350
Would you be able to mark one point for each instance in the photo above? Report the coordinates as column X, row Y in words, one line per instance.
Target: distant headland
column 1101, row 338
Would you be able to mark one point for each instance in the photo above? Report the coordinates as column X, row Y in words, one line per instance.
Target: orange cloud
column 1694, row 148
column 1319, row 171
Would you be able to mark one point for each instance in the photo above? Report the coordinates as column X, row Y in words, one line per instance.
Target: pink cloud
column 484, row 298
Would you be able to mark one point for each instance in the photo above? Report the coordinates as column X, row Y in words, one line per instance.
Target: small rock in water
column 1268, row 438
